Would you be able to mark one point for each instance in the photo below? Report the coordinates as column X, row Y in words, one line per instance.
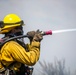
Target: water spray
column 61, row 31
column 50, row 32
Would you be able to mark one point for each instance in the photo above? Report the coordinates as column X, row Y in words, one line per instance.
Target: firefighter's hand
column 31, row 35
column 38, row 36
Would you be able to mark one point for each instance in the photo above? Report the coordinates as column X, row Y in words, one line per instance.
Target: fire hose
column 23, row 36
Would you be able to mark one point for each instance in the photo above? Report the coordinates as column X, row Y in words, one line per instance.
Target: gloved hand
column 31, row 34
column 38, row 36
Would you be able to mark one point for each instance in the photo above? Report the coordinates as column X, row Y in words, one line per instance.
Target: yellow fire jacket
column 12, row 51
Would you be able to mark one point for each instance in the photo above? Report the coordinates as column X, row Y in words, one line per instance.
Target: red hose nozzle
column 47, row 32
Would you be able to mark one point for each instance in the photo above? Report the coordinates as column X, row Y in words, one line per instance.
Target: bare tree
column 58, row 68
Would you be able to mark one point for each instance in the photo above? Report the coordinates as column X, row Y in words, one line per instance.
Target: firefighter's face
column 18, row 31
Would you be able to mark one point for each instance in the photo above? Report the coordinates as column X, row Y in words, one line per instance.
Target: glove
column 38, row 36
column 31, row 35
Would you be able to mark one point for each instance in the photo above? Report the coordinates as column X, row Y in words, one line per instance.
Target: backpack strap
column 7, row 68
column 2, row 40
column 22, row 44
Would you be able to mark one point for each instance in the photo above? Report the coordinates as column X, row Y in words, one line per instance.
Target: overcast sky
column 48, row 15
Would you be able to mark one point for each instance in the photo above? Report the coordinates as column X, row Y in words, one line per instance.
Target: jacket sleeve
column 18, row 53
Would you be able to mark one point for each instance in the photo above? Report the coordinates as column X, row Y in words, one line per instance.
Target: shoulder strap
column 22, row 44
column 2, row 41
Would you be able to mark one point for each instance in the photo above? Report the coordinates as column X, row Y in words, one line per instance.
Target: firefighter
column 15, row 54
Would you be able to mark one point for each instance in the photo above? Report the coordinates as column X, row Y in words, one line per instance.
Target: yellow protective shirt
column 12, row 51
